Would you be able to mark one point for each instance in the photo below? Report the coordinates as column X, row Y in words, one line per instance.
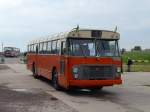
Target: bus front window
column 107, row 48
column 92, row 47
column 82, row 47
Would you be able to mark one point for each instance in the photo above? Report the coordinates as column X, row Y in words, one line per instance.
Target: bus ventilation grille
column 97, row 72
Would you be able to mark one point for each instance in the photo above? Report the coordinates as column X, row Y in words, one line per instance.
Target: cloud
column 24, row 19
column 4, row 4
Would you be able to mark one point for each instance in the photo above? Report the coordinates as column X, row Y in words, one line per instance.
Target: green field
column 141, row 61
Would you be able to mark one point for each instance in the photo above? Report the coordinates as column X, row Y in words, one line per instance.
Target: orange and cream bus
column 81, row 58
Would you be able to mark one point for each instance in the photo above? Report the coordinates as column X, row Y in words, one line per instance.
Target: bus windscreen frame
column 96, row 52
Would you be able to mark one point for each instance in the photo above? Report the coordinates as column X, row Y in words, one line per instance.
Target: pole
column 2, row 57
column 2, row 47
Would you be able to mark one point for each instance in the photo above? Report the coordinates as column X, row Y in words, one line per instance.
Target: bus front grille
column 100, row 72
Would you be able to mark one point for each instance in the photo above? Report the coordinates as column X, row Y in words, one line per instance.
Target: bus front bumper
column 93, row 83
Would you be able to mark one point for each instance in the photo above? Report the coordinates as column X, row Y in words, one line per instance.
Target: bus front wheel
column 96, row 89
column 34, row 72
column 55, row 80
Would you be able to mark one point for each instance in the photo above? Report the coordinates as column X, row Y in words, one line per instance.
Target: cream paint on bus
column 88, row 33
column 81, row 33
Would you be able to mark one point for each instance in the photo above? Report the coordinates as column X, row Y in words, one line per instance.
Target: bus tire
column 34, row 72
column 55, row 79
column 95, row 90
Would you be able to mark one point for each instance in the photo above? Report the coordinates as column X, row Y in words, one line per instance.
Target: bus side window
column 49, row 47
column 54, row 45
column 44, row 51
column 36, row 49
column 31, row 48
column 40, row 48
column 63, row 48
column 58, row 47
column 28, row 47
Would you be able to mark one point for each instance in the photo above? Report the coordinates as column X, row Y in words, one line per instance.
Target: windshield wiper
column 98, row 50
column 82, row 50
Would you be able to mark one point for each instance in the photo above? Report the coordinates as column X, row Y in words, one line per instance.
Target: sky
column 25, row 20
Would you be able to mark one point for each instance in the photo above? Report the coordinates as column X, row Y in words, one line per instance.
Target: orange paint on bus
column 45, row 64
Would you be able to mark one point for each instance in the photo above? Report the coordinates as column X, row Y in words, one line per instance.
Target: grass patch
column 146, row 85
column 138, row 68
column 137, row 56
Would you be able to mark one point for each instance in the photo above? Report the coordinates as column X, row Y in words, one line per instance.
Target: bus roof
column 81, row 33
column 12, row 47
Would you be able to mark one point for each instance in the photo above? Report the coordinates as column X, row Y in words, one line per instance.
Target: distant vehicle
column 81, row 58
column 11, row 52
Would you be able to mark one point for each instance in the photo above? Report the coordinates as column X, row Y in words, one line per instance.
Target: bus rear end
column 93, row 59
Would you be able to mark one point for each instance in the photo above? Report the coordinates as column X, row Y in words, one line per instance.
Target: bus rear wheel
column 34, row 72
column 55, row 80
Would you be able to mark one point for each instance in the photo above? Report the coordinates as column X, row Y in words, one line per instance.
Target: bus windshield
column 92, row 47
column 8, row 49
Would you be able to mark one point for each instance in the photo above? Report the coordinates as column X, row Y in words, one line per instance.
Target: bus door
column 36, row 56
column 63, row 64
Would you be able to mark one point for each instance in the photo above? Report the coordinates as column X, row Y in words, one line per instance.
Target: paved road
column 21, row 92
column 11, row 60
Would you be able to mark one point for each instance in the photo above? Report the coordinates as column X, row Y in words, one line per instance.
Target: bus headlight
column 75, row 72
column 118, row 74
column 118, row 69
